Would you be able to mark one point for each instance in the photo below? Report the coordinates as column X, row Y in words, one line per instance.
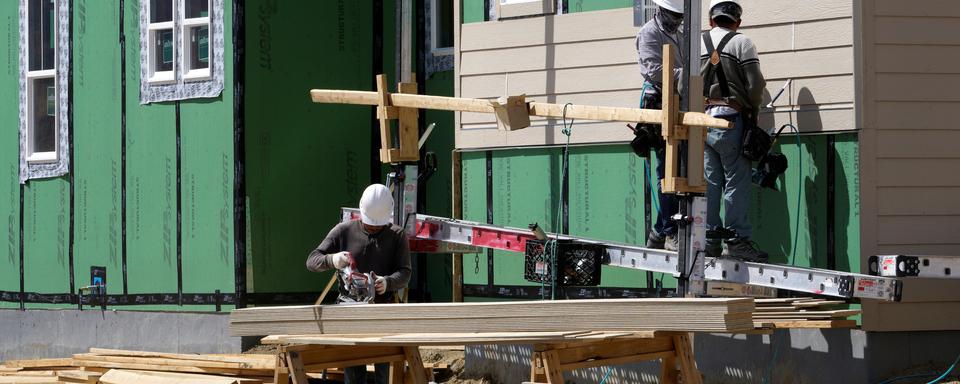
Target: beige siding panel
column 627, row 99
column 918, row 173
column 918, row 87
column 931, row 8
column 811, row 120
column 573, row 27
column 920, row 201
column 813, row 91
column 939, row 316
column 920, row 249
column 917, row 116
column 585, row 132
column 575, row 80
column 918, row 30
column 919, row 144
column 918, row 58
column 538, row 7
column 893, row 230
column 762, row 12
column 812, row 63
column 802, row 35
column 542, row 57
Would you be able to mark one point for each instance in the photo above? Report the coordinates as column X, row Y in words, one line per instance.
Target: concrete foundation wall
column 60, row 333
column 797, row 356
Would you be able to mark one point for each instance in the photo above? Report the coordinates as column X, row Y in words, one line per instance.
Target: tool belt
column 725, row 103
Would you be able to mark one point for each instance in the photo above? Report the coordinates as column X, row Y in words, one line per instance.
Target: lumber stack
column 802, row 313
column 685, row 315
column 110, row 366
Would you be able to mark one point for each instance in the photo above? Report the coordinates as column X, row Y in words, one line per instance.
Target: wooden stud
column 668, row 370
column 552, row 367
column 409, row 127
column 688, row 365
column 296, row 368
column 415, row 364
column 537, row 373
column 326, row 290
column 383, row 101
column 396, row 372
column 696, row 140
column 457, row 182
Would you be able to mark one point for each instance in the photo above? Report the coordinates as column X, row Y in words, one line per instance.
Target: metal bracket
column 937, row 267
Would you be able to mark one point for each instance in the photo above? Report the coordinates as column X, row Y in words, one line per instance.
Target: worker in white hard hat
column 733, row 87
column 663, row 28
column 370, row 244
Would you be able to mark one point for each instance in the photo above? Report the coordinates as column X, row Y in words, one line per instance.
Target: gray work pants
column 728, row 178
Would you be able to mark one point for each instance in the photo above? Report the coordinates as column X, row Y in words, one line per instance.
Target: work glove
column 340, row 260
column 381, row 285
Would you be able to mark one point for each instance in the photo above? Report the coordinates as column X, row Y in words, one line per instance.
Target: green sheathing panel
column 46, row 267
column 606, row 202
column 9, row 153
column 96, row 134
column 574, row 6
column 303, row 160
column 774, row 213
column 151, row 179
column 847, row 224
column 439, row 203
column 472, row 11
column 474, row 199
column 207, row 164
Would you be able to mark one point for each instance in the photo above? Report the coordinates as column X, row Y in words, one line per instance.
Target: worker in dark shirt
column 375, row 245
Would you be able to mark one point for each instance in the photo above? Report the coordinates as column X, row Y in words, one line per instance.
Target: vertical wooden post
column 408, row 128
column 457, row 214
column 396, row 372
column 384, row 114
column 415, row 363
column 688, row 365
column 295, row 365
column 668, row 370
column 696, row 137
column 669, row 122
column 281, row 374
column 551, row 366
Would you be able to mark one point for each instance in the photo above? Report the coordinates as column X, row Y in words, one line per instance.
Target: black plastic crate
column 579, row 264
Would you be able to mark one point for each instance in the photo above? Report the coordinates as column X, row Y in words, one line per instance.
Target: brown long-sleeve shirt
column 386, row 253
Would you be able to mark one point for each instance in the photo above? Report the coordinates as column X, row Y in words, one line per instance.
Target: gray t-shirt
column 649, row 44
column 386, row 253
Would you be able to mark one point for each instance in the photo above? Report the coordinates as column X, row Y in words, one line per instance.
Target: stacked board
column 110, row 366
column 684, row 315
column 802, row 313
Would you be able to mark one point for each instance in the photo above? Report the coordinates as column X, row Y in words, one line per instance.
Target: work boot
column 714, row 248
column 655, row 241
column 746, row 250
column 670, row 243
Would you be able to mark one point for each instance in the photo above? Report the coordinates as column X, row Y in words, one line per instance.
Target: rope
column 551, row 246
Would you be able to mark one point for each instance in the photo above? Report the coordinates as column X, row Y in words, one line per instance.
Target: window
column 181, row 49
column 441, row 33
column 44, row 65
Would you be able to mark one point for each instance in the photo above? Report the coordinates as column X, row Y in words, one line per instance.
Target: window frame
column 435, row 50
column 186, row 83
column 45, row 164
column 188, row 74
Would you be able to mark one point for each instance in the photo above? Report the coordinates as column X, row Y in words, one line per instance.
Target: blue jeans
column 669, row 204
column 358, row 374
column 728, row 177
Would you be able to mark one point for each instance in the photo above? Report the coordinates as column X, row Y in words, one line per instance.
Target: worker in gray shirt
column 373, row 244
column 663, row 28
column 733, row 87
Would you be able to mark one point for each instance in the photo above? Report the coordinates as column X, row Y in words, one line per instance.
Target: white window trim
column 161, row 77
column 185, row 84
column 34, row 165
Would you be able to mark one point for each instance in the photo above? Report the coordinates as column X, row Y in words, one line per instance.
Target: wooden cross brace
column 675, row 133
column 408, row 129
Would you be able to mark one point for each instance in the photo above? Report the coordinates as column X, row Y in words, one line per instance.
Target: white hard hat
column 713, row 3
column 671, row 5
column 725, row 11
column 376, row 205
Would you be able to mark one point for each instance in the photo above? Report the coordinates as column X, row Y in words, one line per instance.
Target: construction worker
column 663, row 28
column 734, row 90
column 371, row 244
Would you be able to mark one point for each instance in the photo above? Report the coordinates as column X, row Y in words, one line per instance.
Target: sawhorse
column 549, row 361
column 294, row 361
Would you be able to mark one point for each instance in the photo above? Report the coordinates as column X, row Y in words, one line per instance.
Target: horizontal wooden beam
column 580, row 112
